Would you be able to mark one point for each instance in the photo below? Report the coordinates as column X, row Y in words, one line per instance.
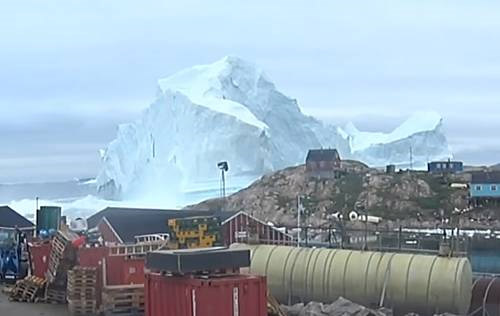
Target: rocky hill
column 403, row 196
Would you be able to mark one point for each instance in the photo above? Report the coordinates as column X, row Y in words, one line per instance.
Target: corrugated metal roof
column 131, row 222
column 11, row 219
column 486, row 177
column 322, row 155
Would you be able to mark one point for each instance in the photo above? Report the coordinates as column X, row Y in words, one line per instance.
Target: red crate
column 241, row 295
column 40, row 253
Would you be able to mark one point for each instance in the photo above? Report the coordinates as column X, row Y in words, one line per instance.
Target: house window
column 478, row 188
column 493, row 188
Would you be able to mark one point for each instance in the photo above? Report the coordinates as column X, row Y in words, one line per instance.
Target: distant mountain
column 495, row 167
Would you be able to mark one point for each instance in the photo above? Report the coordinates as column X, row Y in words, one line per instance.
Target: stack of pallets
column 62, row 258
column 28, row 290
column 54, row 295
column 123, row 300
column 82, row 287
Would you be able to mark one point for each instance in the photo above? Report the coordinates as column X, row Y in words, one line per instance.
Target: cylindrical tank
column 485, row 297
column 48, row 218
column 405, row 282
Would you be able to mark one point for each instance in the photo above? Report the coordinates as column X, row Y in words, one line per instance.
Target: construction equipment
column 13, row 255
column 194, row 232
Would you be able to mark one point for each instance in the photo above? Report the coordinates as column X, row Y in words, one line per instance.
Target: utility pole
column 224, row 167
column 411, row 158
column 299, row 210
column 153, row 145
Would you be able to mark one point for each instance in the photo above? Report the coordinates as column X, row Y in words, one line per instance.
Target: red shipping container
column 92, row 257
column 121, row 270
column 39, row 254
column 241, row 295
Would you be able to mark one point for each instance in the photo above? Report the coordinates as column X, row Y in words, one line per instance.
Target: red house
column 323, row 163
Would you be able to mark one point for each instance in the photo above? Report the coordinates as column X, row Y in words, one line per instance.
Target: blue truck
column 13, row 255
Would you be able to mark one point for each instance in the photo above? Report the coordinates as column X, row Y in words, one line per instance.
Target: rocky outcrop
column 341, row 307
column 403, row 196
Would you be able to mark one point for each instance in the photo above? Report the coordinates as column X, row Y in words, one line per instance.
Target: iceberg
column 417, row 141
column 231, row 111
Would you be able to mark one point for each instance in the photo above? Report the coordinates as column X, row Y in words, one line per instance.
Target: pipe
column 405, row 282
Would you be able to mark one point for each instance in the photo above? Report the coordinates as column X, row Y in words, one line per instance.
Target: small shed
column 10, row 220
column 390, row 169
column 323, row 162
column 445, row 166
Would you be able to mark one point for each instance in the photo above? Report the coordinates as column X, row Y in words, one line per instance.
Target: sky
column 71, row 71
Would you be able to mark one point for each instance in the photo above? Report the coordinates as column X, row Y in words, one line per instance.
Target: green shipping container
column 48, row 217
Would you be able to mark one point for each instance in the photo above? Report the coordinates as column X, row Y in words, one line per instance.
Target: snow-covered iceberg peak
column 421, row 134
column 218, row 87
column 418, row 122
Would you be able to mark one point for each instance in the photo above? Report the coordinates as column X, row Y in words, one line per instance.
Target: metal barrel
column 422, row 284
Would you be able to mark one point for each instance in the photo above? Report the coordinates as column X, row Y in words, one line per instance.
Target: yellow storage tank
column 423, row 284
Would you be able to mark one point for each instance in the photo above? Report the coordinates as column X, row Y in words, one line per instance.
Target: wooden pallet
column 28, row 289
column 61, row 260
column 124, row 300
column 125, row 312
column 55, row 296
column 82, row 307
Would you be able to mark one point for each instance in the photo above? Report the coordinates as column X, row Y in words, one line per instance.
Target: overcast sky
column 70, row 71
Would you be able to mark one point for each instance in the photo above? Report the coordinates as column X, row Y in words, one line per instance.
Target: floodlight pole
column 299, row 209
column 223, row 188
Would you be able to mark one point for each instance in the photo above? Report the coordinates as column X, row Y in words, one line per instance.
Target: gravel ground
column 8, row 308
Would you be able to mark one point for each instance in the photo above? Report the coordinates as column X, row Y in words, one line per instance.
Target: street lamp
column 223, row 167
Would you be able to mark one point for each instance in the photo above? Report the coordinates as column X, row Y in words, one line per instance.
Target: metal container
column 239, row 295
column 406, row 282
column 48, row 218
column 121, row 270
column 485, row 297
column 192, row 260
column 40, row 253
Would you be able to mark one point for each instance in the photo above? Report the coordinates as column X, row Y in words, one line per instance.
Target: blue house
column 445, row 166
column 485, row 185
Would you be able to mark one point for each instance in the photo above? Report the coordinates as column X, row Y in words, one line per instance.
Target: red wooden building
column 323, row 163
column 125, row 225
